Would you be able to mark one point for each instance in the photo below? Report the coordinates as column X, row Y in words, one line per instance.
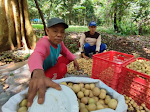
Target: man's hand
column 39, row 83
column 96, row 52
column 84, row 56
column 76, row 64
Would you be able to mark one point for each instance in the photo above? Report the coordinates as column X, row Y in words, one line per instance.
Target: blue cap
column 92, row 23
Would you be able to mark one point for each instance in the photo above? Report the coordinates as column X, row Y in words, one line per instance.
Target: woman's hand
column 76, row 64
column 39, row 83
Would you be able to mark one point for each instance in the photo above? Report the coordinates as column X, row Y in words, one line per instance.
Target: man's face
column 92, row 29
column 56, row 34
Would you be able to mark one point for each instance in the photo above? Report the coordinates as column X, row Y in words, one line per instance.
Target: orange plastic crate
column 107, row 66
column 135, row 84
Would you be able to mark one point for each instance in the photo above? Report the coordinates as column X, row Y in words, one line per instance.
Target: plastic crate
column 135, row 84
column 107, row 67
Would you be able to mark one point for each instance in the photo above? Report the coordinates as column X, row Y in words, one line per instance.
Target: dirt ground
column 136, row 45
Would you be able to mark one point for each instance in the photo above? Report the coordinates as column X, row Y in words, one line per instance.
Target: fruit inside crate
column 135, row 84
column 114, row 56
column 107, row 66
column 136, row 91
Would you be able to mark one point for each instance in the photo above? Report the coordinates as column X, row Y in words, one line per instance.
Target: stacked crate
column 107, row 67
column 135, row 84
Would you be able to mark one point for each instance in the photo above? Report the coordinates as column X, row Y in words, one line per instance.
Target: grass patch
column 38, row 26
column 79, row 29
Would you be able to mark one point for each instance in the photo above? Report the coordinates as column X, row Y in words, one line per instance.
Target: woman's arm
column 41, row 51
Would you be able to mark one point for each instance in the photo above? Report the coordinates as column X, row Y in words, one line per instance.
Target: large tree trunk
column 24, row 43
column 15, row 25
column 16, row 12
column 30, row 35
column 10, row 21
column 3, row 28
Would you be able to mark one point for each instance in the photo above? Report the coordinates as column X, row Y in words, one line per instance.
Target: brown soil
column 137, row 45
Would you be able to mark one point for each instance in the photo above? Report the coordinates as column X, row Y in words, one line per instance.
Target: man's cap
column 92, row 23
column 54, row 21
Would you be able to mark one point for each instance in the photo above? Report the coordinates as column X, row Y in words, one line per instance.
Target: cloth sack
column 12, row 105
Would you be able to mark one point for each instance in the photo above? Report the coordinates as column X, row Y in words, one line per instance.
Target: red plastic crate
column 107, row 66
column 135, row 84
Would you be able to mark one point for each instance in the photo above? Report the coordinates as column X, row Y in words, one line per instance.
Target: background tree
column 33, row 11
column 41, row 15
column 124, row 16
column 142, row 16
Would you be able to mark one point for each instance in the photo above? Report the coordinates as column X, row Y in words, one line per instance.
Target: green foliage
column 132, row 16
column 108, row 30
column 27, row 56
column 12, row 74
column 73, row 48
column 76, row 7
column 71, row 44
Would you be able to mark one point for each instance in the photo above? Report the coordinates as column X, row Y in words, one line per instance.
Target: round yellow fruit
column 76, row 88
column 23, row 103
column 96, row 91
column 22, row 109
column 112, row 104
column 91, row 107
column 80, row 94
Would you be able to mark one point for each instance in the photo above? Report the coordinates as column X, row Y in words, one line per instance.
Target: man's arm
column 98, row 43
column 81, row 43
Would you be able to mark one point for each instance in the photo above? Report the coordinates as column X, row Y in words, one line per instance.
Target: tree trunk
column 140, row 28
column 115, row 18
column 30, row 35
column 107, row 14
column 15, row 25
column 85, row 18
column 11, row 28
column 24, row 43
column 16, row 12
column 115, row 22
column 41, row 14
column 3, row 28
column 70, row 11
column 119, row 20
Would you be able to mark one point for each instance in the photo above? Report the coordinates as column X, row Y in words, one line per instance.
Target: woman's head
column 56, row 30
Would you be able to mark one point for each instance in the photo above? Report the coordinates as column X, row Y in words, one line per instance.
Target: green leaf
column 12, row 74
column 27, row 56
